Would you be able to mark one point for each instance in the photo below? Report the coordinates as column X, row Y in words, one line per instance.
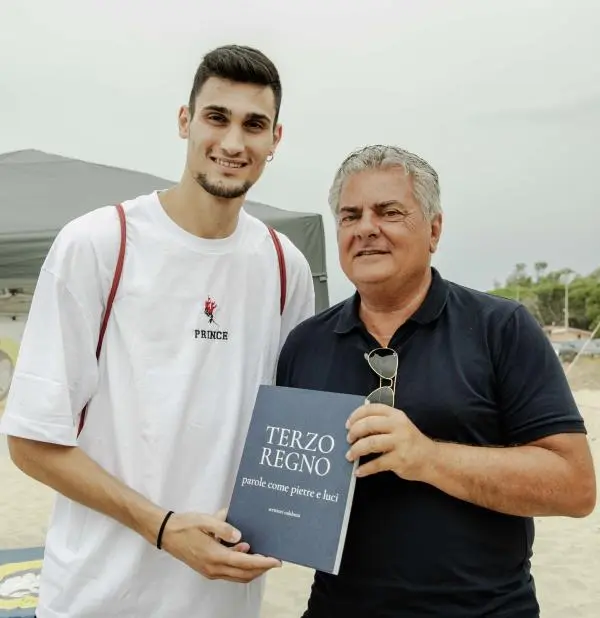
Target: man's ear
column 183, row 121
column 277, row 135
column 436, row 232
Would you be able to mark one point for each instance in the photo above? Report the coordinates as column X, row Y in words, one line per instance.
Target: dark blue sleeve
column 534, row 395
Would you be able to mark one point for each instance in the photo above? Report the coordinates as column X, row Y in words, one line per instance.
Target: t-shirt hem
column 550, row 430
column 27, row 429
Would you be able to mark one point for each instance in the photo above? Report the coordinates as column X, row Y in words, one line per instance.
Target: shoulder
column 93, row 229
column 499, row 322
column 484, row 309
column 293, row 256
column 310, row 339
column 513, row 337
column 295, row 260
column 84, row 254
column 469, row 299
column 317, row 328
column 91, row 237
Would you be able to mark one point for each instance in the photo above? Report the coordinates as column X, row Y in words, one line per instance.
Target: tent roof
column 40, row 192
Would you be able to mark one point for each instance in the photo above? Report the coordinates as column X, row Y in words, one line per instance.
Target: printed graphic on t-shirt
column 210, row 306
column 214, row 332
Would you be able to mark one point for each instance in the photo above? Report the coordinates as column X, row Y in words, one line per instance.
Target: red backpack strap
column 111, row 296
column 282, row 271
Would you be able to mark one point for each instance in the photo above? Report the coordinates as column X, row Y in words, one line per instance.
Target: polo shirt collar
column 429, row 310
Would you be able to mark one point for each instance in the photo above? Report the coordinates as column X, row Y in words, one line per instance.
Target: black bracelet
column 162, row 529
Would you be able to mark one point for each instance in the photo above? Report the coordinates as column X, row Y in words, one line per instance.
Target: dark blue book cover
column 294, row 486
column 19, row 581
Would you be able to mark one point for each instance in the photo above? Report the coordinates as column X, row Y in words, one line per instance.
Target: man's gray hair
column 426, row 185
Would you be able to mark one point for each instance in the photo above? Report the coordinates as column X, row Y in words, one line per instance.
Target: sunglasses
column 384, row 362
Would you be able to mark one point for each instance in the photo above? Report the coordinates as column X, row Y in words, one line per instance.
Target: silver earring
column 270, row 157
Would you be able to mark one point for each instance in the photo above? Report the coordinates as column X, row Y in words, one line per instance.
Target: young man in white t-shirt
column 195, row 328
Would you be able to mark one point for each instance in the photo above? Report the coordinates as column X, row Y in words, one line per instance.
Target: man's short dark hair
column 237, row 63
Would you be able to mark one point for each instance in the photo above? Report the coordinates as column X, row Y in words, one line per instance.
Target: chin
column 368, row 276
column 226, row 189
column 370, row 281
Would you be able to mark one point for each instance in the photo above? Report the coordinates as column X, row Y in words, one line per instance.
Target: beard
column 217, row 189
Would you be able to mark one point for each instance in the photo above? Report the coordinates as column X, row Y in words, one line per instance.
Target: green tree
column 519, row 276
column 544, row 294
column 540, row 269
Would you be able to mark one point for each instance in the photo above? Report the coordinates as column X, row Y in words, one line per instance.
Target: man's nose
column 367, row 225
column 233, row 141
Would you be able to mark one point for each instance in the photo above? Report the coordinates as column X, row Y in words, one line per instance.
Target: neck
column 200, row 213
column 383, row 314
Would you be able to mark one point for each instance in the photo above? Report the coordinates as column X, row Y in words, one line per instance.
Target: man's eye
column 255, row 126
column 216, row 118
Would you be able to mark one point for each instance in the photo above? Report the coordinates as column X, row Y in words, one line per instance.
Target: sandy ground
column 566, row 560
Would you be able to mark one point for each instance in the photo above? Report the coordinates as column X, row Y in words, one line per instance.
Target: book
column 294, row 486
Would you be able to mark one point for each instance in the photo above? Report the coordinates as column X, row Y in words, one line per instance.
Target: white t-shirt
column 170, row 402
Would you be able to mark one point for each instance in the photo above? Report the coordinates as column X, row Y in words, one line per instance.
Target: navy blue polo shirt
column 473, row 369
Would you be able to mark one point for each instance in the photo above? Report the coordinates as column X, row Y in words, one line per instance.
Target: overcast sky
column 502, row 97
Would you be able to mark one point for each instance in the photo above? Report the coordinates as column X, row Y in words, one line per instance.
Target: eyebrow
column 380, row 205
column 377, row 206
column 227, row 112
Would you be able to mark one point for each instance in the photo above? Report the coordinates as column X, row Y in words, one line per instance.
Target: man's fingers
column 370, row 409
column 381, row 443
column 250, row 562
column 238, row 566
column 240, row 575
column 379, row 464
column 253, row 562
column 219, row 528
column 277, row 561
column 241, row 547
column 368, row 426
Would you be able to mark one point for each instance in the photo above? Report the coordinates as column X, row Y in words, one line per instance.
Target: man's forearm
column 527, row 481
column 70, row 472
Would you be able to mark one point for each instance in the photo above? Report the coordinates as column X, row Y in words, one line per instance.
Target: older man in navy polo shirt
column 471, row 432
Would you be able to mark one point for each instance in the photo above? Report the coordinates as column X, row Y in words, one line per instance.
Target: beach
column 566, row 552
